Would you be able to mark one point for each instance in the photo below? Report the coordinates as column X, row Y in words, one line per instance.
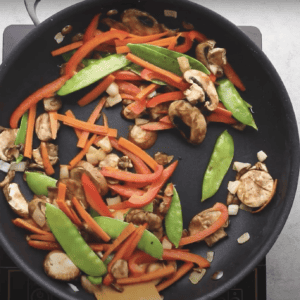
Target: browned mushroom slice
column 145, row 139
column 7, row 143
column 216, row 59
column 155, row 112
column 52, row 153
column 202, row 49
column 115, row 24
column 16, row 200
column 140, row 23
column 189, row 120
column 37, row 207
column 120, row 269
column 204, row 220
column 8, row 178
column 52, row 104
column 42, row 127
column 255, row 188
column 163, row 158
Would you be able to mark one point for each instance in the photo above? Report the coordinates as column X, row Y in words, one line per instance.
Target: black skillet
column 30, row 66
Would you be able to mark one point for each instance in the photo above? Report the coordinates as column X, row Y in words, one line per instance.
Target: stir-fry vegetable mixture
column 113, row 217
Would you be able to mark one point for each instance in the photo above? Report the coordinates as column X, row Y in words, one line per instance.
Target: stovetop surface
column 15, row 285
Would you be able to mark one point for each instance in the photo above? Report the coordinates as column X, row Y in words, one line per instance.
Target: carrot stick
column 152, row 67
column 126, row 75
column 177, row 275
column 168, row 270
column 137, row 237
column 146, row 91
column 43, row 237
column 70, row 114
column 91, row 29
column 97, row 91
column 138, row 152
column 92, row 119
column 137, row 107
column 24, row 224
column 127, row 96
column 53, row 124
column 130, row 228
column 99, row 247
column 82, row 153
column 140, row 39
column 44, row 245
column 153, row 126
column 165, row 119
column 165, row 98
column 30, row 131
column 233, row 77
column 90, row 221
column 46, row 161
column 67, row 48
column 108, row 279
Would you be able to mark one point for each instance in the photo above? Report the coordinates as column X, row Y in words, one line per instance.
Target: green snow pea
column 164, row 58
column 39, row 182
column 73, row 243
column 94, row 280
column 148, row 207
column 93, row 73
column 21, row 135
column 149, row 243
column 232, row 100
column 218, row 166
column 173, row 220
column 86, row 61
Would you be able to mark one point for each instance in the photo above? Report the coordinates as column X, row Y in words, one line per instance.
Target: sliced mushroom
column 59, row 266
column 140, row 23
column 202, row 50
column 7, row 142
column 128, row 113
column 114, row 24
column 204, row 81
column 194, row 94
column 42, row 127
column 203, row 220
column 111, row 160
column 142, row 138
column 120, row 269
column 163, row 158
column 256, row 188
column 125, row 163
column 16, row 199
column 37, row 207
column 155, row 112
column 52, row 153
column 189, row 120
column 8, row 178
column 99, row 178
column 52, row 104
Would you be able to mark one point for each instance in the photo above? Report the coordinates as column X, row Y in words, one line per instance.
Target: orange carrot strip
column 46, row 161
column 82, row 153
column 67, row 48
column 138, row 235
column 138, row 152
column 140, row 39
column 233, row 77
column 129, row 229
column 168, row 270
column 126, row 75
column 97, row 91
column 165, row 119
column 99, row 247
column 92, row 119
column 177, row 95
column 154, row 126
column 53, row 124
column 152, row 67
column 127, row 96
column 90, row 221
column 108, row 279
column 30, row 131
column 122, row 49
column 70, row 114
column 177, row 275
column 137, row 107
column 146, row 91
column 43, row 237
column 44, row 245
column 24, row 224
column 75, row 219
column 165, row 42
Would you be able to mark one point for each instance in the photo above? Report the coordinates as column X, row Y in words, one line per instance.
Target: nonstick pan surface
column 31, row 66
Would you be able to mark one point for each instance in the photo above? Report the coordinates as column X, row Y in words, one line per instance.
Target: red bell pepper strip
column 165, row 119
column 198, row 36
column 186, row 46
column 233, row 77
column 91, row 29
column 137, row 107
column 141, row 39
column 44, row 92
column 127, row 96
column 89, row 46
column 211, row 229
column 137, row 262
column 93, row 197
column 128, row 176
column 154, row 126
column 125, row 191
column 178, row 95
column 126, row 75
column 127, row 87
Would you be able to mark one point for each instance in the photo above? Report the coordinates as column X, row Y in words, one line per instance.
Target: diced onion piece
column 113, row 89
column 64, row 172
column 210, row 256
column 238, row 166
column 19, row 167
column 233, row 209
column 233, row 186
column 245, row 207
column 170, row 13
column 100, row 154
column 261, row 156
column 196, row 276
column 151, row 95
column 105, row 144
column 140, row 121
column 119, row 216
column 166, row 244
column 244, row 238
column 184, row 64
column 73, row 287
column 59, row 37
column 92, row 158
column 113, row 100
column 100, row 254
column 217, row 275
column 114, row 200
column 4, row 166
column 92, row 149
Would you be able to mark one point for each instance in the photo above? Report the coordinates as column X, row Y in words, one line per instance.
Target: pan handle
column 31, row 9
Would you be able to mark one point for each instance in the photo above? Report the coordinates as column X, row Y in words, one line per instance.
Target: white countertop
column 279, row 24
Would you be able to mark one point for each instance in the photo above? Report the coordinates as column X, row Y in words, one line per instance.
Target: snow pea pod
column 233, row 102
column 173, row 220
column 21, row 135
column 218, row 166
column 39, row 183
column 164, row 58
column 93, row 72
column 149, row 243
column 95, row 280
column 73, row 243
column 86, row 61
